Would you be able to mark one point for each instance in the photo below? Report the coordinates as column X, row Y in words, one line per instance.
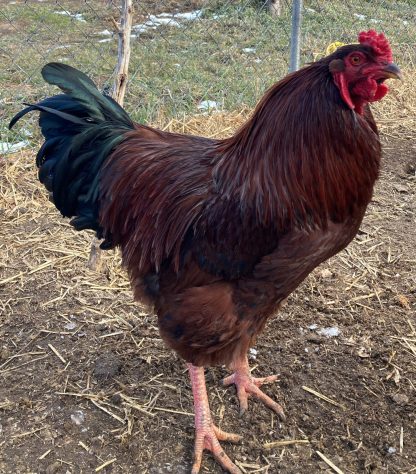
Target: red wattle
column 365, row 89
column 369, row 91
column 382, row 90
column 342, row 85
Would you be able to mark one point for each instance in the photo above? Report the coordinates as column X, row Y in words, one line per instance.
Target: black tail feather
column 81, row 128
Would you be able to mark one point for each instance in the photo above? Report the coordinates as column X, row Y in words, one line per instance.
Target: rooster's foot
column 247, row 385
column 207, row 435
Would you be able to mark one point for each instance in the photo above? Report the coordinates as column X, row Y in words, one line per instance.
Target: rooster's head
column 359, row 70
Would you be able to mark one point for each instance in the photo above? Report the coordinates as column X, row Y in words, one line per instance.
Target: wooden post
column 119, row 90
column 275, row 7
column 124, row 32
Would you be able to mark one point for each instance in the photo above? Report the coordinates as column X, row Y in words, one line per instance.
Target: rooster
column 215, row 234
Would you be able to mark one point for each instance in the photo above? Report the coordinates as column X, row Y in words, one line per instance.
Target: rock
column 5, row 353
column 401, row 188
column 116, row 399
column 107, row 365
column 70, row 326
column 53, row 468
column 364, row 352
column 97, row 442
column 403, row 301
column 314, row 338
column 169, row 467
column 410, row 168
column 263, row 427
column 78, row 417
column 325, row 274
column 400, row 399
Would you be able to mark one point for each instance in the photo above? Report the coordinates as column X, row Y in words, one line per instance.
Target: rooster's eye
column 355, row 60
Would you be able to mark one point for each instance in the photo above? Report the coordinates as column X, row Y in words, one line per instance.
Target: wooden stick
column 126, row 20
column 83, row 445
column 323, row 397
column 55, row 351
column 285, row 442
column 130, row 402
column 119, row 90
column 107, row 463
column 95, row 255
column 28, row 433
column 43, row 456
column 178, row 412
column 98, row 405
column 329, row 462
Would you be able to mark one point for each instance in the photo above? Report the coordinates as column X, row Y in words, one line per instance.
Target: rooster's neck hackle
column 303, row 157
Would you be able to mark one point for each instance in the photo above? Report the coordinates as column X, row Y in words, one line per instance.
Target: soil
column 86, row 380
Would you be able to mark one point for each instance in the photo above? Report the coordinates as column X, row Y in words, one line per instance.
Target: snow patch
column 333, row 331
column 78, row 417
column 6, row 147
column 105, row 33
column 329, row 332
column 70, row 326
column 189, row 15
column 168, row 19
column 62, row 46
column 208, row 105
column 75, row 16
column 252, row 353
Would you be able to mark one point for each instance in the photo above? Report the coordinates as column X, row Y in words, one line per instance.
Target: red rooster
column 215, row 234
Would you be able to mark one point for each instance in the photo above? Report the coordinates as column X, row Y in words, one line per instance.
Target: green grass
column 173, row 69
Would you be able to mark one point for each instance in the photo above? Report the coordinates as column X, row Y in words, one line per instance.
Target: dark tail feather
column 81, row 128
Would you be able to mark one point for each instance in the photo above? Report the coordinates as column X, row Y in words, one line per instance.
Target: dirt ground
column 86, row 384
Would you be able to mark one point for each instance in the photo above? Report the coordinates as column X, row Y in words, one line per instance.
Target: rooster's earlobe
column 336, row 65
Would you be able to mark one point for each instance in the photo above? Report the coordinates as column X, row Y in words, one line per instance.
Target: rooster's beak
column 391, row 71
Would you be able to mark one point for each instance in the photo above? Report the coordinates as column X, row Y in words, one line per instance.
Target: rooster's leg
column 207, row 435
column 248, row 385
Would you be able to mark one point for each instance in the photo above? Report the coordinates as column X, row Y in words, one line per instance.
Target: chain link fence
column 186, row 57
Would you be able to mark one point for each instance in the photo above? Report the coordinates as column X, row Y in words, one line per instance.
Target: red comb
column 378, row 42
